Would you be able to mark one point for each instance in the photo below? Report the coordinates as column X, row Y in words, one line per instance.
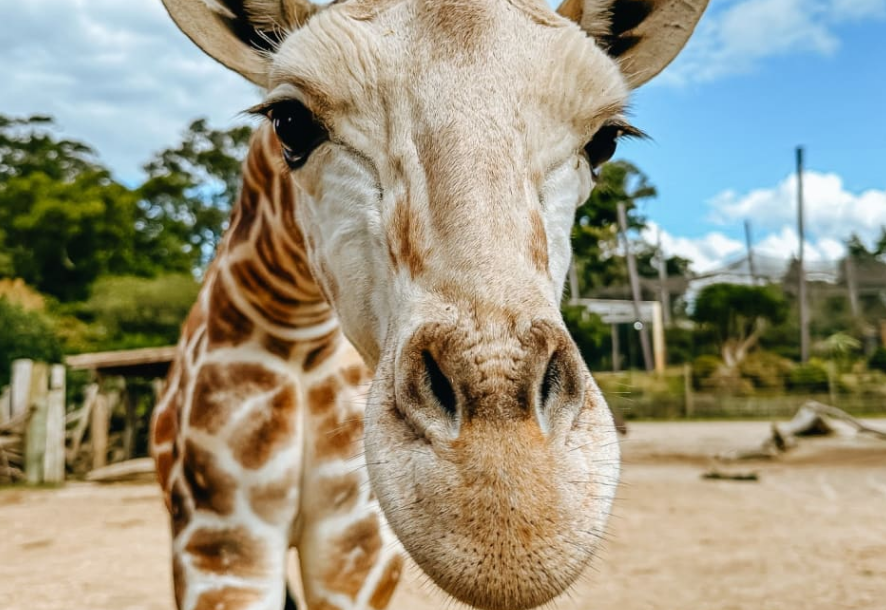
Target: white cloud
column 785, row 243
column 706, row 253
column 118, row 75
column 831, row 211
column 735, row 35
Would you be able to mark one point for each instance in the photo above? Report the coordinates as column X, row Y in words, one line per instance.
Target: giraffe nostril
column 550, row 382
column 439, row 385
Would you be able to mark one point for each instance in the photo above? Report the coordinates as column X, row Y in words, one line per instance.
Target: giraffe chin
column 502, row 516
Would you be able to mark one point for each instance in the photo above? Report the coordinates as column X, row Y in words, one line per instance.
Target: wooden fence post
column 35, row 430
column 99, row 431
column 21, row 386
column 89, row 396
column 5, row 404
column 688, row 398
column 130, row 402
column 54, row 458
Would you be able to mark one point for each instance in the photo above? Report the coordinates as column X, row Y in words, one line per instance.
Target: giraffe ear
column 644, row 36
column 240, row 33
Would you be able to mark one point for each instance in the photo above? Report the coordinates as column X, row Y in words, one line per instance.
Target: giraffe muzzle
column 452, row 376
column 494, row 458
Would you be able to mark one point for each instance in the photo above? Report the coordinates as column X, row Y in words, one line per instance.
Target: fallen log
column 812, row 419
column 807, row 421
column 835, row 413
column 131, row 470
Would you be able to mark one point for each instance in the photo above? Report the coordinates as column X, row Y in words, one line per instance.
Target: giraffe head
column 439, row 149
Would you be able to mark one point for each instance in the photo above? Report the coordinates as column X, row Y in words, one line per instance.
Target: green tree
column 62, row 235
column 65, row 220
column 129, row 312
column 25, row 334
column 595, row 232
column 190, row 190
column 738, row 315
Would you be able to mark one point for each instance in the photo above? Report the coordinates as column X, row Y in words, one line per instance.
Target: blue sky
column 758, row 78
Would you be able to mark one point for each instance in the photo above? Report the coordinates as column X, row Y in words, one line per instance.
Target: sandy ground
column 810, row 535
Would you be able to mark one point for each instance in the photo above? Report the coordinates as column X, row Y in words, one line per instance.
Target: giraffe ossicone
column 400, row 245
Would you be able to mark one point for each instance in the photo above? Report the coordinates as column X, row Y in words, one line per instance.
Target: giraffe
column 377, row 361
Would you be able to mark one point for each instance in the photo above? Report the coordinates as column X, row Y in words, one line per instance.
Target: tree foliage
column 595, row 232
column 25, row 334
column 130, row 312
column 189, row 193
column 66, row 222
column 738, row 314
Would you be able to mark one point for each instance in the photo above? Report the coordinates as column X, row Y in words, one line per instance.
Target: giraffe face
column 437, row 202
column 428, row 183
column 439, row 149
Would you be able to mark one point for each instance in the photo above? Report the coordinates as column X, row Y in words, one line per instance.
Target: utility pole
column 616, row 351
column 747, row 240
column 635, row 288
column 801, row 293
column 852, row 285
column 664, row 295
column 573, row 282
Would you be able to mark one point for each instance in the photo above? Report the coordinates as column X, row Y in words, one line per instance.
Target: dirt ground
column 810, row 535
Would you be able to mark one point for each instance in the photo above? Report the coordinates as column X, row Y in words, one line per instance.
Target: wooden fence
column 32, row 424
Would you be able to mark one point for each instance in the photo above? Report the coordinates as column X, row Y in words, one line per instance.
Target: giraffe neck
column 258, row 436
column 260, row 288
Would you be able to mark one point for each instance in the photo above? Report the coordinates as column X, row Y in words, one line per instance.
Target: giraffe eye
column 602, row 146
column 298, row 130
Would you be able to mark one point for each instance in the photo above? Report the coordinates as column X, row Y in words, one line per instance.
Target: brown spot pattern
column 381, row 597
column 227, row 325
column 228, row 598
column 271, row 501
column 462, row 25
column 362, row 537
column 222, row 388
column 230, row 551
column 340, row 494
column 163, row 462
column 538, row 242
column 255, row 288
column 165, row 424
column 281, row 348
column 267, row 429
column 179, row 508
column 178, row 580
column 338, row 434
column 355, row 374
column 322, row 396
column 211, row 487
column 405, row 232
column 321, row 353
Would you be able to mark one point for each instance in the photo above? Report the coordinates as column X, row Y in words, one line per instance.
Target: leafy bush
column 128, row 312
column 588, row 331
column 25, row 334
column 703, row 368
column 809, row 377
column 877, row 360
column 766, row 370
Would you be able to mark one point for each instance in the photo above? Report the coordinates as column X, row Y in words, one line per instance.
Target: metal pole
column 665, row 296
column 747, row 240
column 804, row 311
column 573, row 282
column 852, row 286
column 635, row 287
column 616, row 352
